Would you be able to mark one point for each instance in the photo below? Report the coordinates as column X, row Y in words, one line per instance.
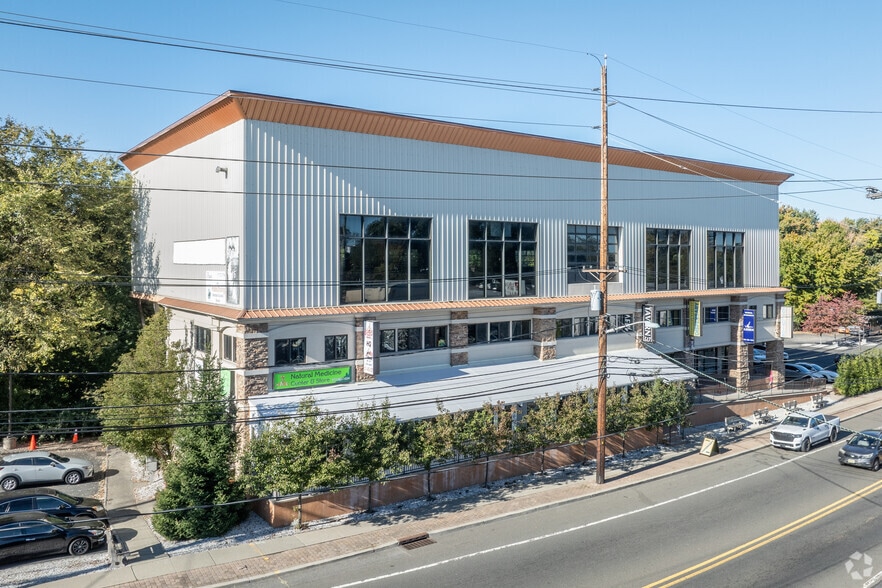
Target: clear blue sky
column 807, row 54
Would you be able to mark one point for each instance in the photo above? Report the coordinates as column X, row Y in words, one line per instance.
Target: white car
column 829, row 375
column 759, row 353
column 39, row 467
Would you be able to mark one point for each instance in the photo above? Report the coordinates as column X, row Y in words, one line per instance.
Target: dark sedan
column 52, row 502
column 34, row 534
column 862, row 450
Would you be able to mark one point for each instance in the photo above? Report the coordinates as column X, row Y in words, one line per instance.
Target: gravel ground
column 255, row 529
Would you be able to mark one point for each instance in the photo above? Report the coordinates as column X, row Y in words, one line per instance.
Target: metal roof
column 233, row 106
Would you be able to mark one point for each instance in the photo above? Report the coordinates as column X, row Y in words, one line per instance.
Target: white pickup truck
column 802, row 430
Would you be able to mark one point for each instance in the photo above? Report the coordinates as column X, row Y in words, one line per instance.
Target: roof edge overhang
column 233, row 106
column 237, row 314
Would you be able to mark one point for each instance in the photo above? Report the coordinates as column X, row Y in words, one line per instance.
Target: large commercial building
column 359, row 256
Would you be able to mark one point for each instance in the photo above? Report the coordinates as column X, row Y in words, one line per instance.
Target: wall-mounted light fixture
column 222, row 170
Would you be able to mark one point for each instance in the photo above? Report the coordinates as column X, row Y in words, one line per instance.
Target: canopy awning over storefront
column 416, row 394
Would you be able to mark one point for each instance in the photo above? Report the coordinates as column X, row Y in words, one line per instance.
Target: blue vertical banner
column 748, row 326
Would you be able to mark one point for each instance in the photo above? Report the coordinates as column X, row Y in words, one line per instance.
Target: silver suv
column 39, row 467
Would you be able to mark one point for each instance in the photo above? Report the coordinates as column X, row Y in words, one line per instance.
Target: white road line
column 570, row 530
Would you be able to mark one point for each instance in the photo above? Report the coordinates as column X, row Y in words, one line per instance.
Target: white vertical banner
column 648, row 335
column 786, row 322
column 371, row 361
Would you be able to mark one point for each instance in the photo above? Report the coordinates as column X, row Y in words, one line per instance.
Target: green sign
column 310, row 378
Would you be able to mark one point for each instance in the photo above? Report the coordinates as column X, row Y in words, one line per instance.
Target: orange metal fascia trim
column 232, row 106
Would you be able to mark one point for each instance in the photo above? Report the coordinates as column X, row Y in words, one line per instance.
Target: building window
column 502, row 259
column 499, row 332
column 201, row 339
column 412, row 339
column 583, row 252
column 582, row 326
column 290, row 351
column 336, row 347
column 384, row 259
column 228, row 343
column 716, row 314
column 768, row 311
column 725, row 259
column 667, row 259
column 712, row 361
column 670, row 318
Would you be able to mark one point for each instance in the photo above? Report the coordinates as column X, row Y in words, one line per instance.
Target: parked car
column 853, row 330
column 34, row 534
column 759, row 352
column 795, row 371
column 829, row 375
column 39, row 467
column 52, row 502
column 862, row 450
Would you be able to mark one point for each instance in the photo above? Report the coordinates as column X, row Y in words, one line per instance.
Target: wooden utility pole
column 603, row 259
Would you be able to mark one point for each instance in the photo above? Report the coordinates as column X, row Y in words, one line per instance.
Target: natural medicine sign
column 310, row 378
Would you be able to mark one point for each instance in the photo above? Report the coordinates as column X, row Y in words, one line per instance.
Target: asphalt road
column 767, row 518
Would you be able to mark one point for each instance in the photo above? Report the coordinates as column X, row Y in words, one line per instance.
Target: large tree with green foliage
column 823, row 259
column 200, row 498
column 65, row 243
column 141, row 399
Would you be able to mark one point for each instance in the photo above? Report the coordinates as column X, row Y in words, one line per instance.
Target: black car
column 34, row 534
column 862, row 450
column 52, row 502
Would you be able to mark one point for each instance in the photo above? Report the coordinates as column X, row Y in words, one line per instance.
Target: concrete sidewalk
column 147, row 565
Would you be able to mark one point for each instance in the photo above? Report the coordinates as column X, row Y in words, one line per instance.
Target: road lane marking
column 764, row 540
column 571, row 529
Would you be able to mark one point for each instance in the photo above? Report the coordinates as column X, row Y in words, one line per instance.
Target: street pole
column 604, row 262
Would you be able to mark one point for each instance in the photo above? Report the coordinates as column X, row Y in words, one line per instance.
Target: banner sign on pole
column 748, row 326
column 648, row 335
column 695, row 318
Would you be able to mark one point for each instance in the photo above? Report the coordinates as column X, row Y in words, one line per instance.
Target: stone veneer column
column 775, row 349
column 253, row 361
column 458, row 339
column 739, row 360
column 544, row 329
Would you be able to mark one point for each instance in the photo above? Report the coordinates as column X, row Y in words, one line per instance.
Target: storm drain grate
column 415, row 541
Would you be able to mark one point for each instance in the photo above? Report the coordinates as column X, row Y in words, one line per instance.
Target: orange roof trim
column 365, row 309
column 233, row 106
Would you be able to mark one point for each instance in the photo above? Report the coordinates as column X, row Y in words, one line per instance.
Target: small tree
column 142, row 397
column 829, row 313
column 541, row 427
column 370, row 442
column 431, row 440
column 484, row 433
column 200, row 498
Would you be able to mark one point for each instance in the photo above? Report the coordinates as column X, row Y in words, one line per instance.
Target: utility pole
column 603, row 259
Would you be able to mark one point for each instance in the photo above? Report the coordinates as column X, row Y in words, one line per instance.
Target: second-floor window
column 583, row 252
column 384, row 259
column 725, row 259
column 667, row 259
column 502, row 259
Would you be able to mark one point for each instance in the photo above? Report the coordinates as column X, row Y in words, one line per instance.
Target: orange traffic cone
column 76, row 436
column 33, row 442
